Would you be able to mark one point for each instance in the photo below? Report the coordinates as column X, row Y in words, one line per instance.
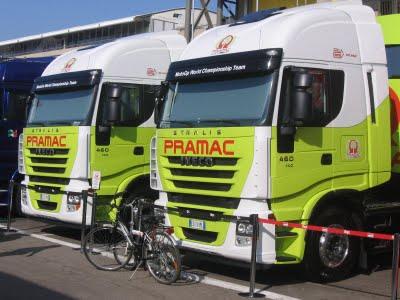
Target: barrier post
column 93, row 219
column 395, row 265
column 10, row 204
column 253, row 262
column 84, row 210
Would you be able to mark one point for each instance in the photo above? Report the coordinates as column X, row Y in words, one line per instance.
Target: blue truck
column 16, row 80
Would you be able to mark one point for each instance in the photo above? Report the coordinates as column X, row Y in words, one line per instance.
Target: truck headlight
column 73, row 202
column 74, row 199
column 21, row 161
column 244, row 232
column 24, row 196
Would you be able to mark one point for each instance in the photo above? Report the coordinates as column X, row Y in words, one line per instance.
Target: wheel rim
column 106, row 249
column 333, row 248
column 161, row 263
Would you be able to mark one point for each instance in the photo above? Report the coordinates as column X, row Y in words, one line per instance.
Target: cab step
column 388, row 208
column 285, row 234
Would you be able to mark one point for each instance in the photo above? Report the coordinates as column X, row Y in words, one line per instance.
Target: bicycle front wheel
column 107, row 248
column 163, row 259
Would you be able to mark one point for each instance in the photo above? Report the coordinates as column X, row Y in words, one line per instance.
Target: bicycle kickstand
column 134, row 272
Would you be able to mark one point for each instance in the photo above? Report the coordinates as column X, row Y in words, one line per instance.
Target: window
column 393, row 61
column 137, row 104
column 327, row 95
column 130, row 100
column 72, row 107
column 219, row 102
column 16, row 110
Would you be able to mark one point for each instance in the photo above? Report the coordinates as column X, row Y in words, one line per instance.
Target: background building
column 60, row 41
column 381, row 7
column 200, row 19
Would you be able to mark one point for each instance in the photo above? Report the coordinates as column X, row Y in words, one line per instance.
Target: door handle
column 326, row 159
column 139, row 150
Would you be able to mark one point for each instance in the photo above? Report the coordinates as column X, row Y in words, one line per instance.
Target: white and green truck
column 90, row 126
column 285, row 114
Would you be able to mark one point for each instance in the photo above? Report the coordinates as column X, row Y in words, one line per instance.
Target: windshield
column 234, row 102
column 62, row 108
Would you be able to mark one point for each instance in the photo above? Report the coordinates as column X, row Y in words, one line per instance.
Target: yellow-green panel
column 390, row 26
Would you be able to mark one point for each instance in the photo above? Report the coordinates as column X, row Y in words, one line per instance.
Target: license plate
column 197, row 224
column 44, row 197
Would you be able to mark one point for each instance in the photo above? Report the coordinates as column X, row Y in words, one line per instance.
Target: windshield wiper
column 58, row 123
column 37, row 124
column 233, row 122
column 188, row 123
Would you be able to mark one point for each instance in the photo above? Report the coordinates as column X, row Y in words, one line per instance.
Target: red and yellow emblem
column 224, row 45
column 69, row 64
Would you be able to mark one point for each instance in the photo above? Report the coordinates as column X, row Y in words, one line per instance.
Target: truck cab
column 16, row 80
column 90, row 126
column 284, row 114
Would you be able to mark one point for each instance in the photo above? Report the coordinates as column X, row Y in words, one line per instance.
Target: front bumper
column 266, row 253
column 61, row 213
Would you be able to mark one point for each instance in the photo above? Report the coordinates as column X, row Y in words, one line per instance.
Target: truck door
column 121, row 149
column 303, row 164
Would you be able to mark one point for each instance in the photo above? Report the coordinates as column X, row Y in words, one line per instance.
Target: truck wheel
column 330, row 257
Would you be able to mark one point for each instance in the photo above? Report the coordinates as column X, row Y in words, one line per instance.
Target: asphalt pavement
column 42, row 261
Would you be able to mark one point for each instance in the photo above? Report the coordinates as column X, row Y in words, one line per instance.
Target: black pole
column 83, row 225
column 93, row 219
column 253, row 262
column 10, row 204
column 395, row 265
column 188, row 20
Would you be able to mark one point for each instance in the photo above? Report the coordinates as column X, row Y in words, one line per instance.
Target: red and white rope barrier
column 363, row 234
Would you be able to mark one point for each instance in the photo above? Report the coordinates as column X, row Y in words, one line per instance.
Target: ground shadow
column 66, row 232
column 8, row 236
column 275, row 276
column 27, row 251
column 12, row 287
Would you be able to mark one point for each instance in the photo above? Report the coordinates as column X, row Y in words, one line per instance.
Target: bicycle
column 111, row 247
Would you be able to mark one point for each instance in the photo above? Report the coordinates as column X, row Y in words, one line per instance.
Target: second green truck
column 90, row 126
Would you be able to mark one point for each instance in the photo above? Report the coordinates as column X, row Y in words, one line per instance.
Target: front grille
column 222, row 202
column 202, row 173
column 47, row 205
column 218, row 161
column 45, row 179
column 56, row 151
column 48, row 170
column 48, row 160
column 209, row 186
column 46, row 189
column 200, row 214
column 222, row 169
column 199, row 235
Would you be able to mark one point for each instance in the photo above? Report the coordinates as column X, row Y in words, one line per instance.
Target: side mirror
column 114, row 92
column 301, row 99
column 160, row 96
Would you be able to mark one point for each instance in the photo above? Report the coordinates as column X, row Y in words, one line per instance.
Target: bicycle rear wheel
column 163, row 259
column 107, row 248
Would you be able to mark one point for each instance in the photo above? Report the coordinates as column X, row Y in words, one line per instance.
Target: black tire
column 163, row 258
column 106, row 248
column 331, row 257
